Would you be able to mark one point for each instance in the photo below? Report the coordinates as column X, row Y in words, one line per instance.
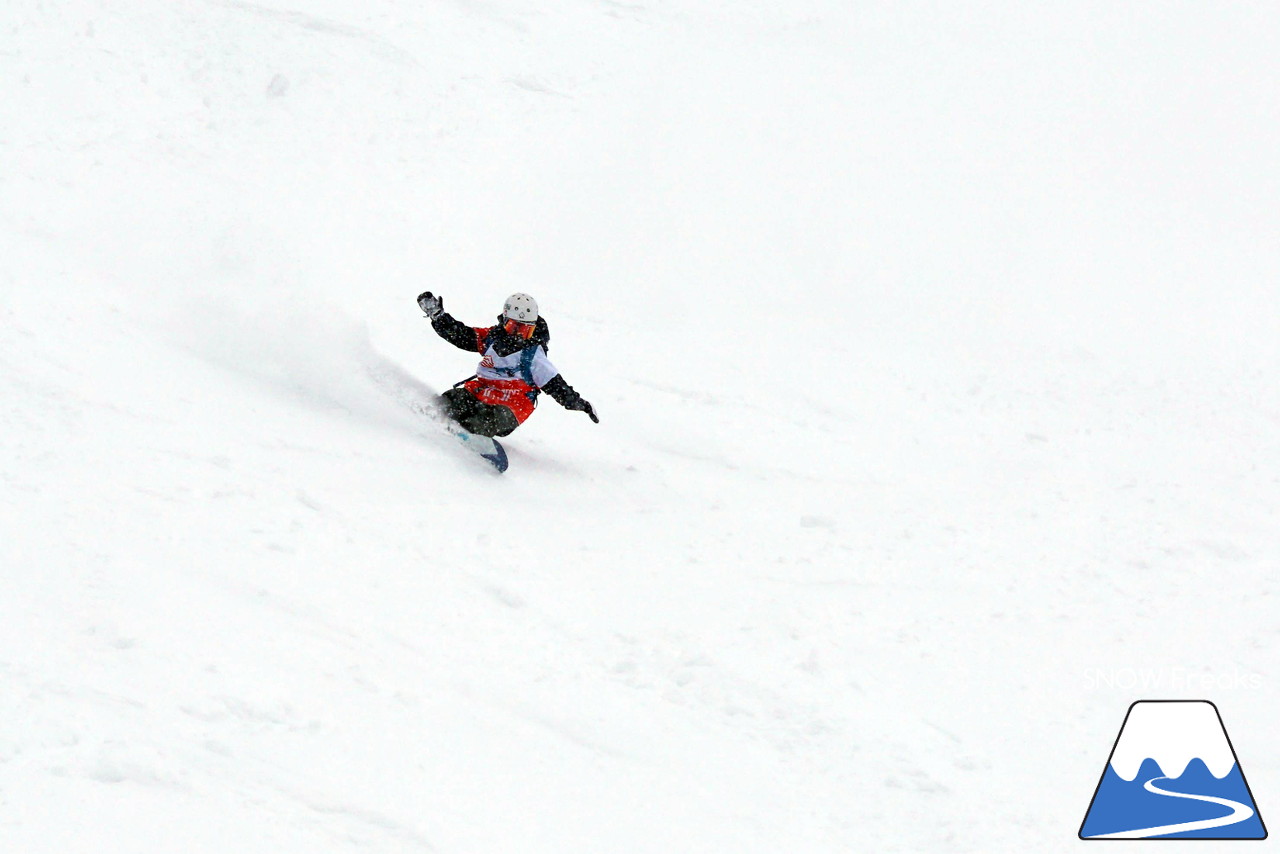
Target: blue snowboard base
column 487, row 448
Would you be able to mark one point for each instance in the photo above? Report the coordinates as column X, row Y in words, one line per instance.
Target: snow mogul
column 513, row 369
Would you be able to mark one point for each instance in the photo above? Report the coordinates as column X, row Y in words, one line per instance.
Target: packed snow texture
column 935, row 351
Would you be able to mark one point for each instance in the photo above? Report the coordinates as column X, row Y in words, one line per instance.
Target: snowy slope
column 935, row 355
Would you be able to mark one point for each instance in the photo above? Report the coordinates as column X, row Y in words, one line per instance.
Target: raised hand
column 432, row 306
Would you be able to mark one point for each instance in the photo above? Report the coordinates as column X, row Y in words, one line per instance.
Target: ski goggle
column 515, row 327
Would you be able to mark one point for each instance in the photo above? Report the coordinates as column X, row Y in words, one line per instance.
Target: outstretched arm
column 457, row 333
column 562, row 393
column 454, row 331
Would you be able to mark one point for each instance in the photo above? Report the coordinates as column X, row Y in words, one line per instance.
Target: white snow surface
column 1172, row 734
column 935, row 350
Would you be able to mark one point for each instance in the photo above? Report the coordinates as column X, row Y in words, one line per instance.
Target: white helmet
column 521, row 307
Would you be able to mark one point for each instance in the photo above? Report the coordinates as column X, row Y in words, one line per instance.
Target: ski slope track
column 1239, row 812
column 935, row 355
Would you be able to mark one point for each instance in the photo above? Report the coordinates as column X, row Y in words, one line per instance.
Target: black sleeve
column 562, row 393
column 456, row 333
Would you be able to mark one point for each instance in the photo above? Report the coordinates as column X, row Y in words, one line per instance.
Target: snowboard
column 488, row 448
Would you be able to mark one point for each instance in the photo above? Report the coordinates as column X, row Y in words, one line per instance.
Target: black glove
column 583, row 406
column 432, row 306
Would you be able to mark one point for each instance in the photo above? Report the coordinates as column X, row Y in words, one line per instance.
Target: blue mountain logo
column 1173, row 774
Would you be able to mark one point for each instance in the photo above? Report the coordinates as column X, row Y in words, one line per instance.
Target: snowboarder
column 513, row 369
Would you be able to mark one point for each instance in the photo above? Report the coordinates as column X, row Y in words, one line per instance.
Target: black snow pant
column 483, row 419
